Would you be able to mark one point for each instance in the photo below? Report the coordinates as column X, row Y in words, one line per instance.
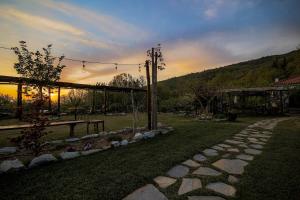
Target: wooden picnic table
column 71, row 124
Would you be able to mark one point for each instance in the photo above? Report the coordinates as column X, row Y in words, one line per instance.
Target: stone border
column 16, row 164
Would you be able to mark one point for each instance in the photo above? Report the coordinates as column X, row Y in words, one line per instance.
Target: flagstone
column 245, row 157
column 226, row 155
column 210, row 152
column 232, row 179
column 264, row 139
column 224, row 145
column 163, row 181
column 191, row 163
column 178, row 171
column 148, row 192
column 256, row 146
column 218, row 148
column 234, row 142
column 205, row 198
column 243, row 145
column 206, row 171
column 233, row 150
column 199, row 158
column 231, row 166
column 261, row 143
column 188, row 185
column 222, row 188
column 252, row 151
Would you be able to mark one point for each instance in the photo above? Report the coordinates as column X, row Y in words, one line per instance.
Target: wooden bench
column 71, row 124
column 96, row 125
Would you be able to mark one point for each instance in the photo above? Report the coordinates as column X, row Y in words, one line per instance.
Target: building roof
column 295, row 80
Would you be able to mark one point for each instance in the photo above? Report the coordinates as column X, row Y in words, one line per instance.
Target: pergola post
column 58, row 100
column 49, row 100
column 19, row 102
column 148, row 94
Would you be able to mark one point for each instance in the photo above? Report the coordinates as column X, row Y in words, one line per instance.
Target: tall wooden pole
column 19, row 102
column 148, row 94
column 58, row 101
column 154, row 56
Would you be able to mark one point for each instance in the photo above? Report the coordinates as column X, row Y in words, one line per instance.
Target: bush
column 232, row 117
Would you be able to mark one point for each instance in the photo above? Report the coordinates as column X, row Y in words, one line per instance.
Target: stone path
column 207, row 170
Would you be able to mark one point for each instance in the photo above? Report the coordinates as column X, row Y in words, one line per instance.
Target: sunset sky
column 195, row 34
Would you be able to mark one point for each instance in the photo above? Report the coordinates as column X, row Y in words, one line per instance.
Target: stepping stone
column 256, row 146
column 224, row 145
column 264, row 140
column 191, row 163
column 148, row 192
column 205, row 198
column 234, row 142
column 188, row 185
column 261, row 143
column 72, row 139
column 210, row 152
column 235, row 150
column 245, row 157
column 253, row 139
column 253, row 151
column 222, row 188
column 178, row 171
column 206, row 171
column 234, row 166
column 261, row 136
column 218, row 148
column 232, row 179
column 163, row 181
column 199, row 158
column 238, row 138
column 226, row 155
column 243, row 145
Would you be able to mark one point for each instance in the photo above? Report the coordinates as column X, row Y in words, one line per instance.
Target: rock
column 191, row 163
column 234, row 142
column 210, row 152
column 8, row 150
column 124, row 142
column 243, row 145
column 178, row 171
column 226, row 155
column 232, row 179
column 137, row 136
column 258, row 142
column 90, row 136
column 222, row 188
column 224, row 145
column 163, row 181
column 234, row 166
column 87, row 146
column 149, row 134
column 206, row 171
column 199, row 158
column 8, row 165
column 205, row 198
column 188, row 185
column 56, row 142
column 115, row 143
column 253, row 151
column 164, row 131
column 245, row 157
column 235, row 150
column 148, row 192
column 69, row 155
column 256, row 146
column 41, row 160
column 88, row 152
column 72, row 139
column 218, row 148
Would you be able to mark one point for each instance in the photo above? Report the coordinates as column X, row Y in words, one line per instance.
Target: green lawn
column 62, row 132
column 115, row 173
column 275, row 175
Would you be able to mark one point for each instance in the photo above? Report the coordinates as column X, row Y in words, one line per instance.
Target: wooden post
column 154, row 56
column 49, row 100
column 148, row 94
column 19, row 102
column 93, row 101
column 133, row 113
column 58, row 101
column 105, row 99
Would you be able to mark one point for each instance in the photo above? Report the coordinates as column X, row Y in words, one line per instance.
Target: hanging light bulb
column 116, row 66
column 83, row 64
column 139, row 67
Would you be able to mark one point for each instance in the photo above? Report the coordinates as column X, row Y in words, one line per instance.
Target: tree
column 76, row 98
column 40, row 67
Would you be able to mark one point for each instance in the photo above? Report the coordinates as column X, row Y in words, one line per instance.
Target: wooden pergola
column 67, row 85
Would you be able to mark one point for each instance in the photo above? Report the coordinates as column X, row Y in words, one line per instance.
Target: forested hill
column 253, row 73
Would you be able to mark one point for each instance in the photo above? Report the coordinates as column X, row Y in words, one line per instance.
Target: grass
column 275, row 175
column 115, row 173
column 62, row 132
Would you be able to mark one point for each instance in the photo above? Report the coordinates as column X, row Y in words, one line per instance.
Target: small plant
column 39, row 67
